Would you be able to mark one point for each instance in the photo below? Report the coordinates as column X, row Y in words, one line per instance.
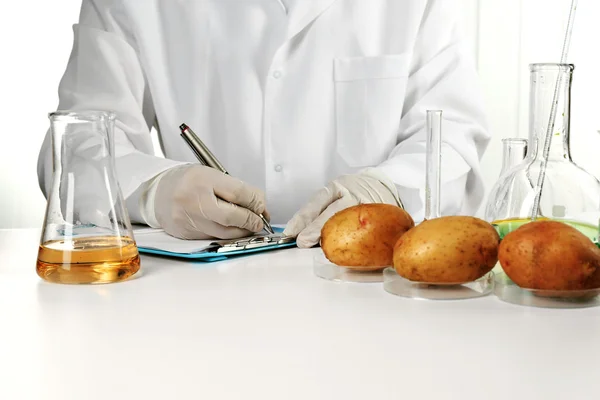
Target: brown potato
column 447, row 250
column 362, row 237
column 550, row 255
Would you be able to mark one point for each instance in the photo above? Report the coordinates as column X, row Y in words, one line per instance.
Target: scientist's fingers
column 307, row 214
column 228, row 214
column 238, row 192
column 197, row 227
column 194, row 227
column 311, row 235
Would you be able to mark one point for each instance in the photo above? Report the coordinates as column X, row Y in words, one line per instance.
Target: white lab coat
column 288, row 99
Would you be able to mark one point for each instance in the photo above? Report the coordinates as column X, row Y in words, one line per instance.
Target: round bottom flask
column 569, row 193
column 562, row 192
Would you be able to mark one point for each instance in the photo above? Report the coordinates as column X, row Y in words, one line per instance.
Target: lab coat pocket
column 369, row 95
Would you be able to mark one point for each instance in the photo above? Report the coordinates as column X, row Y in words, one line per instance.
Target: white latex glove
column 368, row 186
column 190, row 204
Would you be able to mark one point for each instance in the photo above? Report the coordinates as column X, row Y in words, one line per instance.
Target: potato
column 447, row 250
column 362, row 237
column 550, row 255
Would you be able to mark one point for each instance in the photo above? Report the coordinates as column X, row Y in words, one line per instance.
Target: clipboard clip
column 253, row 243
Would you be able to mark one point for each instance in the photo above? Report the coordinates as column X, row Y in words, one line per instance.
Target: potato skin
column 446, row 250
column 362, row 237
column 550, row 255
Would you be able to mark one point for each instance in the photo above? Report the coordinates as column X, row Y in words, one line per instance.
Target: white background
column 36, row 38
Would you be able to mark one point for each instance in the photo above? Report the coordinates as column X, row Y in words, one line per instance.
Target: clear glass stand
column 397, row 285
column 506, row 290
column 323, row 268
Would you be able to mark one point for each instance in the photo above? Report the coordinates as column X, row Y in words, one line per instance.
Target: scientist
column 312, row 106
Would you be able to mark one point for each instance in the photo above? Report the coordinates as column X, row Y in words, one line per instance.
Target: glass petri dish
column 506, row 290
column 323, row 268
column 399, row 286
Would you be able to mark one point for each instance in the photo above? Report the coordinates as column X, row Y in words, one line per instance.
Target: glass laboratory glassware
column 569, row 194
column 87, row 235
column 513, row 153
column 394, row 283
column 433, row 164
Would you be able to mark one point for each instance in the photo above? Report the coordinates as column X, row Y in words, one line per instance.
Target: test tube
column 433, row 164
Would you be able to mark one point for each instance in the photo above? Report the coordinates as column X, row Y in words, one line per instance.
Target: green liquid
column 504, row 227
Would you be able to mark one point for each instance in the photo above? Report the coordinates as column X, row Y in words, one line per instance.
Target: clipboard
column 220, row 250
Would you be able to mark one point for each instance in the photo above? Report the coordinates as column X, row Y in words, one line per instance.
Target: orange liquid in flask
column 88, row 260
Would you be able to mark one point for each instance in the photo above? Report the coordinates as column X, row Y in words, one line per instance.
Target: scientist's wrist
column 147, row 199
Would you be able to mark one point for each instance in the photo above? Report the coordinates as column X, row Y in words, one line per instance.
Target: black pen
column 207, row 158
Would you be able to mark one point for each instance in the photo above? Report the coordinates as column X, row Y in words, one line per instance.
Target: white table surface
column 264, row 327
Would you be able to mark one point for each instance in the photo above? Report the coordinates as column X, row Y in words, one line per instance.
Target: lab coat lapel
column 303, row 12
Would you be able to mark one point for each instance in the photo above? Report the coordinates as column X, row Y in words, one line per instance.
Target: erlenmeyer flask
column 87, row 235
column 570, row 194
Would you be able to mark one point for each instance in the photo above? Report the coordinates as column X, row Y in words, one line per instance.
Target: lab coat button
column 277, row 74
column 278, row 168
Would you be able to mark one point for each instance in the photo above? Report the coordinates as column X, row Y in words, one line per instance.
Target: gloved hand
column 190, row 204
column 368, row 186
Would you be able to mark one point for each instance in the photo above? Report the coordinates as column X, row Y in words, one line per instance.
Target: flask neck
column 559, row 147
column 513, row 152
column 550, row 86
